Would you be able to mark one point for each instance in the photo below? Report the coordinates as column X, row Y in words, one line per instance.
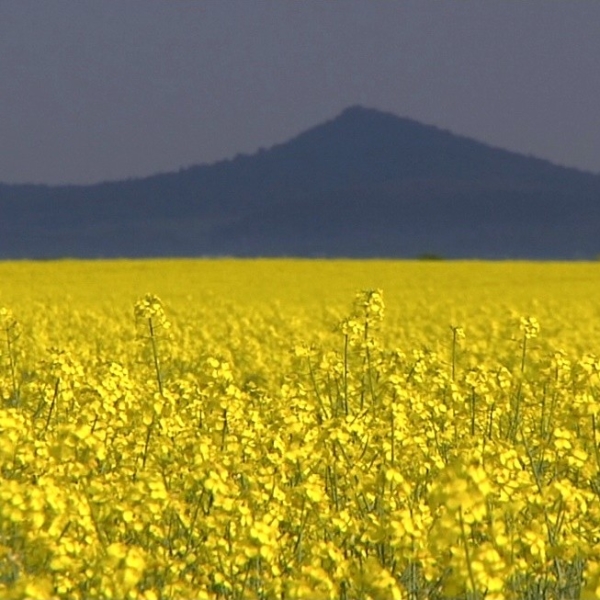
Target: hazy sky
column 95, row 90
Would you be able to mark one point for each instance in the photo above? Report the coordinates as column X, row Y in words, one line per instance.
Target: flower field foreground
column 285, row 429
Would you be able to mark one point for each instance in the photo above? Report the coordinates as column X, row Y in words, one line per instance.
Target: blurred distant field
column 417, row 293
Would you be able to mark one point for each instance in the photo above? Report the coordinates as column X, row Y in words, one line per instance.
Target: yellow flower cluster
column 237, row 450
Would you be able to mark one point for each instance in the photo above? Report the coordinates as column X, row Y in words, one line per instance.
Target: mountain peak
column 365, row 183
column 358, row 111
column 376, row 119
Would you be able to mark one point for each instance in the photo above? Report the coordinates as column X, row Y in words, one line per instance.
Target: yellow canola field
column 299, row 429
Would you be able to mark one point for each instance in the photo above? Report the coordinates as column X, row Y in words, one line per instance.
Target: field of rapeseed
column 296, row 429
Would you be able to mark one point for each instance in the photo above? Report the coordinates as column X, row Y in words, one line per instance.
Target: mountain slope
column 366, row 183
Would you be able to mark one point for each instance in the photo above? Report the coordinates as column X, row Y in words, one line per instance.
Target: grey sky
column 94, row 90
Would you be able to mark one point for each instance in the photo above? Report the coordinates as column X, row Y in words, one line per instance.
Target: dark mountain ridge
column 364, row 184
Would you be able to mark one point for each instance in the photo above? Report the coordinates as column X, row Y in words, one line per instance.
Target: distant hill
column 365, row 184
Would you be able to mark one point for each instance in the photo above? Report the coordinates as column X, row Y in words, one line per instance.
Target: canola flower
column 243, row 452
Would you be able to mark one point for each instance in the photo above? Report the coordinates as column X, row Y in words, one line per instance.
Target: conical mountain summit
column 364, row 184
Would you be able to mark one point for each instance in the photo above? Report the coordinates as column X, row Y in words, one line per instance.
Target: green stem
column 160, row 388
column 155, row 356
column 53, row 404
column 346, row 374
column 318, row 395
column 147, row 443
column 12, row 365
column 467, row 553
column 453, row 352
column 224, row 430
column 393, row 431
column 473, row 411
column 523, row 354
column 596, row 448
